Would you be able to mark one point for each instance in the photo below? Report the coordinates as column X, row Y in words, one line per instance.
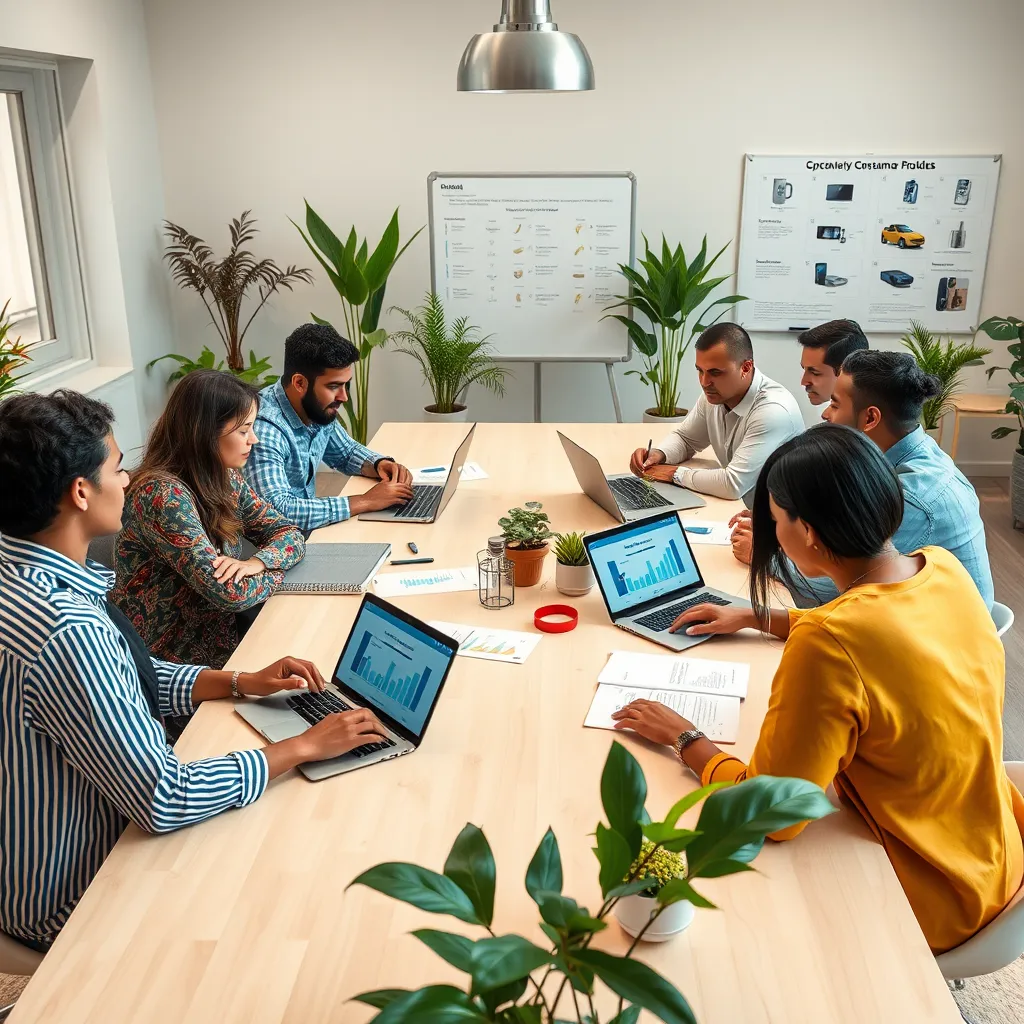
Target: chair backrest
column 16, row 958
column 1002, row 617
column 102, row 550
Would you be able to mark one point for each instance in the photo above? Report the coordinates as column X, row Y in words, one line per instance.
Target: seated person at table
column 893, row 691
column 82, row 749
column 741, row 413
column 881, row 394
column 823, row 350
column 181, row 578
column 298, row 428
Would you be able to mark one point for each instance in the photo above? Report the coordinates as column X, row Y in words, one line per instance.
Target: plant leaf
column 544, row 872
column 449, row 946
column 628, row 888
column 623, row 794
column 673, row 839
column 435, row 1004
column 680, row 889
column 613, row 854
column 638, row 983
column 420, row 887
column 381, row 997
column 566, row 915
column 504, row 959
column 470, row 865
column 681, row 806
column 378, row 266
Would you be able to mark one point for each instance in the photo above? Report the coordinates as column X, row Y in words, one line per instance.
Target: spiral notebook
column 335, row 569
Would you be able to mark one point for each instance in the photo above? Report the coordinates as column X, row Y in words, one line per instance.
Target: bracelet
column 569, row 617
column 684, row 739
column 235, row 692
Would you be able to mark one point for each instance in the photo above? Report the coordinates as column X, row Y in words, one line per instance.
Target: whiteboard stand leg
column 536, row 393
column 614, row 391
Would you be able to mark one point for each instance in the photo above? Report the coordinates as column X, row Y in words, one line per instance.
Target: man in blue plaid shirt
column 297, row 429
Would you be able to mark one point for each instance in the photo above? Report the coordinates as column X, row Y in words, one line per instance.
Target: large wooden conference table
column 244, row 919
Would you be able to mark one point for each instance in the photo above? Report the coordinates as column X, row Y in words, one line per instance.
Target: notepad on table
column 717, row 717
column 335, row 569
column 670, row 672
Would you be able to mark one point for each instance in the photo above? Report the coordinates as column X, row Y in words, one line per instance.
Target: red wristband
column 541, row 616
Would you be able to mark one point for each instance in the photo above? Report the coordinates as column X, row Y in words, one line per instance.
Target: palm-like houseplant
column 13, row 355
column 944, row 359
column 451, row 356
column 223, row 285
column 360, row 278
column 668, row 296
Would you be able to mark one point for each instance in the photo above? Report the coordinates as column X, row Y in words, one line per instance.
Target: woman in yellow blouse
column 893, row 691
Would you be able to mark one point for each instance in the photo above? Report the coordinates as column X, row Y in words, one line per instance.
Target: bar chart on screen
column 637, row 573
column 390, row 670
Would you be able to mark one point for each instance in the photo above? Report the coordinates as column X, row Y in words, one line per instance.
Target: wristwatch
column 383, row 458
column 235, row 692
column 684, row 739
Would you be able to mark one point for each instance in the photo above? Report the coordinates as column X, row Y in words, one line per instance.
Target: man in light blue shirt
column 298, row 428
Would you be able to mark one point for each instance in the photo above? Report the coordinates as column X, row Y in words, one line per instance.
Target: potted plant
column 659, row 867
column 223, row 285
column 667, row 294
column 515, row 981
column 360, row 278
column 526, row 533
column 451, row 358
column 574, row 575
column 1011, row 329
column 944, row 361
column 13, row 355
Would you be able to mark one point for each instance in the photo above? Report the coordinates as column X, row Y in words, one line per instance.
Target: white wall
column 260, row 104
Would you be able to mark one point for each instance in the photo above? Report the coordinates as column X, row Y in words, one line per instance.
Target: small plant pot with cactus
column 660, row 867
column 526, row 531
column 574, row 575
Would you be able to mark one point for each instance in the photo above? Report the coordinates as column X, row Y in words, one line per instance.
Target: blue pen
column 697, row 529
column 434, row 469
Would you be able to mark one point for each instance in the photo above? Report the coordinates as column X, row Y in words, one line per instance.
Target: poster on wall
column 880, row 240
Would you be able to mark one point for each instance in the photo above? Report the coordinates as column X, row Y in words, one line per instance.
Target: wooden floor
column 1006, row 553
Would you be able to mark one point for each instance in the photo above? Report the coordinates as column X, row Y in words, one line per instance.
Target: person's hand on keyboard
column 286, row 674
column 340, row 733
column 380, row 496
column 707, row 619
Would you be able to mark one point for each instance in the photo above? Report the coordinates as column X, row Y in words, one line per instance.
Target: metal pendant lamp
column 525, row 53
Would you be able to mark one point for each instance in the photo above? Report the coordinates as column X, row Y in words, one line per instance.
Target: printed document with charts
column 708, row 693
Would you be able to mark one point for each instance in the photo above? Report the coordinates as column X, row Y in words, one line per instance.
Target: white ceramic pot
column 933, row 433
column 574, row 580
column 651, row 417
column 460, row 415
column 633, row 912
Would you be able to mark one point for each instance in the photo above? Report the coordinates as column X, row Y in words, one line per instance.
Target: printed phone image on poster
column 881, row 240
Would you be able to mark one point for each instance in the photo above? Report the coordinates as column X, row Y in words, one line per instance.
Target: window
column 39, row 265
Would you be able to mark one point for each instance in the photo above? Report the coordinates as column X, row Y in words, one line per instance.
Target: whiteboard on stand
column 876, row 239
column 533, row 259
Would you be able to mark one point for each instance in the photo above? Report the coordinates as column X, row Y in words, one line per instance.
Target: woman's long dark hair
column 185, row 443
column 838, row 482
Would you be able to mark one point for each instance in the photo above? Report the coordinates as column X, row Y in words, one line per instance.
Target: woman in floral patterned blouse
column 180, row 576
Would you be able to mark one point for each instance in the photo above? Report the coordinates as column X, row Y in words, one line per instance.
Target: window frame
column 58, row 253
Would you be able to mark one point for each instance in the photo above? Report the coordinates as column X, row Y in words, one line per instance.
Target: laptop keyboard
column 315, row 707
column 660, row 619
column 635, row 494
column 423, row 503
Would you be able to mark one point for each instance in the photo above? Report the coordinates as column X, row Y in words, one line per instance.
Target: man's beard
column 316, row 412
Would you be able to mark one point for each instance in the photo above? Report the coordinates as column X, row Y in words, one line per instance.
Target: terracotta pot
column 651, row 416
column 528, row 564
column 460, row 414
column 633, row 913
column 574, row 580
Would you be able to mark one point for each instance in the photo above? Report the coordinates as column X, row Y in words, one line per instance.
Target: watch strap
column 235, row 692
column 684, row 739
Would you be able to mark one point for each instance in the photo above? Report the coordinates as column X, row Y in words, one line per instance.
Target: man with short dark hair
column 824, row 349
column 298, row 429
column 82, row 746
column 741, row 413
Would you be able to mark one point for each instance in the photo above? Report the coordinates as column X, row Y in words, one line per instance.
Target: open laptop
column 428, row 501
column 392, row 663
column 648, row 577
column 623, row 496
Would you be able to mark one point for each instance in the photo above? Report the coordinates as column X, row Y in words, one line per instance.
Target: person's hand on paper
column 642, row 462
column 653, row 721
column 708, row 619
column 742, row 540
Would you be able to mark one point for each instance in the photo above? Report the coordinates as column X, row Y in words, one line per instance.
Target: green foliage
column 13, row 355
column 451, row 357
column 503, row 985
column 255, row 373
column 668, row 296
column 944, row 361
column 1011, row 329
column 223, row 285
column 360, row 279
column 526, row 527
column 569, row 549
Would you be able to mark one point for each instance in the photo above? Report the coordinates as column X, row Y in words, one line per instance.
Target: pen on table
column 433, row 469
column 409, row 561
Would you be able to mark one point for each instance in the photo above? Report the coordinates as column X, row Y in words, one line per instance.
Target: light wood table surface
column 244, row 919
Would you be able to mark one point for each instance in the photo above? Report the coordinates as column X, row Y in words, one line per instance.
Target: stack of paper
column 438, row 474
column 490, row 644
column 433, row 581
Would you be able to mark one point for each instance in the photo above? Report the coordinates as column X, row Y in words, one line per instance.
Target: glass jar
column 495, row 575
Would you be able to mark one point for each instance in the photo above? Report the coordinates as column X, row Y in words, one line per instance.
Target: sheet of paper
column 438, row 474
column 490, row 644
column 707, row 531
column 670, row 672
column 717, row 717
column 432, row 581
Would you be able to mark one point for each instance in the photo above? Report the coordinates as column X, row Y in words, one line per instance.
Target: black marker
column 409, row 561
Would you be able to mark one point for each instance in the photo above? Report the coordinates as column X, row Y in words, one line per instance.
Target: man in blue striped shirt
column 82, row 747
column 298, row 429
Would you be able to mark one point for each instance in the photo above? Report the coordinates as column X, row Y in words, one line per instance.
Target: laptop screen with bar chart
column 395, row 665
column 642, row 562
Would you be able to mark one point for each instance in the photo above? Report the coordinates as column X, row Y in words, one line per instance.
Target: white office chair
column 1002, row 617
column 16, row 959
column 1001, row 941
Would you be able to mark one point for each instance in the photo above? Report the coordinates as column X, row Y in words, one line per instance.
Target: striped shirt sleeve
column 346, row 454
column 85, row 697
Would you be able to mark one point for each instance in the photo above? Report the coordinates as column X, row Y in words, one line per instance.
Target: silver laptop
column 623, row 496
column 392, row 663
column 648, row 577
column 428, row 501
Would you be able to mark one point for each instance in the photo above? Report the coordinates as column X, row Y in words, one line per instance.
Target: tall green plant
column 13, row 355
column 1011, row 329
column 451, row 358
column 360, row 280
column 512, row 980
column 668, row 296
column 944, row 361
